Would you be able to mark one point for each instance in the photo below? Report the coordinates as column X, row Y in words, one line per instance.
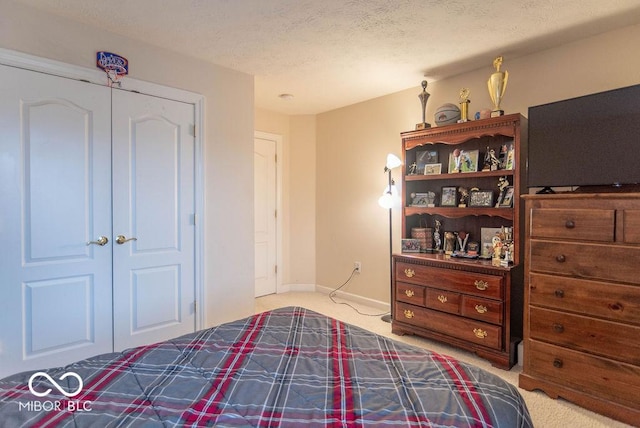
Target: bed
column 285, row 367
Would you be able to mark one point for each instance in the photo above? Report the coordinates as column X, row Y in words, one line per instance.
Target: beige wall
column 228, row 140
column 352, row 144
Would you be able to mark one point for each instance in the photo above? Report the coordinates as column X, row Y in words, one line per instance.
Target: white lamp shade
column 386, row 201
column 389, row 197
column 393, row 161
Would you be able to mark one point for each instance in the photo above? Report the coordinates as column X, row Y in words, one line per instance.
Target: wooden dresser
column 582, row 300
column 465, row 304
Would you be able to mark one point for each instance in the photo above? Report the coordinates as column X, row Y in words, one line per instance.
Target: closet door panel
column 153, row 206
column 55, row 183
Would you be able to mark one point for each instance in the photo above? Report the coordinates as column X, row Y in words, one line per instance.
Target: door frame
column 61, row 69
column 279, row 232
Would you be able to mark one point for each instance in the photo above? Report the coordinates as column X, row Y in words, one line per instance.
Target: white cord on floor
column 333, row 294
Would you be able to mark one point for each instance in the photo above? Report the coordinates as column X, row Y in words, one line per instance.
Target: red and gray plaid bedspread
column 285, row 367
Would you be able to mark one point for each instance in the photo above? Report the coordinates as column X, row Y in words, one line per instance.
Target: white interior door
column 265, row 224
column 153, row 210
column 55, row 185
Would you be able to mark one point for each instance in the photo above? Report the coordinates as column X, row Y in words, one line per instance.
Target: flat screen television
column 592, row 140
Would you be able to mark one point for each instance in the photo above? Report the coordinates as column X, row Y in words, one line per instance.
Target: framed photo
column 449, row 196
column 481, row 198
column 410, row 246
column 508, row 164
column 424, row 157
column 432, row 168
column 507, row 157
column 463, row 161
column 486, row 235
column 506, row 198
column 423, row 199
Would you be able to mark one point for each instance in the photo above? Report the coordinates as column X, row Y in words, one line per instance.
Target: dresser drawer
column 609, row 263
column 593, row 298
column 482, row 309
column 599, row 376
column 575, row 224
column 631, row 226
column 445, row 301
column 410, row 293
column 479, row 284
column 451, row 325
column 606, row 338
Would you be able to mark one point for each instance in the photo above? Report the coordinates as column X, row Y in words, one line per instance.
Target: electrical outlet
column 358, row 267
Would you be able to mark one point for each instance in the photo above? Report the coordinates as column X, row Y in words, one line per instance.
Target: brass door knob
column 121, row 239
column 102, row 241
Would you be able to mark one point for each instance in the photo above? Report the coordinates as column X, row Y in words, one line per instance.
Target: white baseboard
column 377, row 304
column 301, row 287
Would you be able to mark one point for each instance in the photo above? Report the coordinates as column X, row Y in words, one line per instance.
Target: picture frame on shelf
column 509, row 161
column 426, row 199
column 424, row 157
column 449, row 197
column 506, row 198
column 410, row 245
column 432, row 169
column 463, row 161
column 481, row 198
column 486, row 240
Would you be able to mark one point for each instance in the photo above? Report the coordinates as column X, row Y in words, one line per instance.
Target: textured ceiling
column 333, row 53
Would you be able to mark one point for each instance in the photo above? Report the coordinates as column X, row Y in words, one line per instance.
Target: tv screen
column 593, row 140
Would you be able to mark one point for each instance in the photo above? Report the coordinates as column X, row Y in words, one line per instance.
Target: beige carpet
column 545, row 412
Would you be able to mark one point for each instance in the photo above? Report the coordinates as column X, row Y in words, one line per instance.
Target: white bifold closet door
column 68, row 184
column 153, row 206
column 55, row 185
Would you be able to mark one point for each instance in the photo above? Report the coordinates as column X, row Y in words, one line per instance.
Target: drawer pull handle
column 408, row 314
column 559, row 293
column 480, row 334
column 410, row 273
column 481, row 309
column 557, row 363
column 570, row 224
column 481, row 285
column 409, row 293
column 443, row 299
column 560, row 258
column 558, row 328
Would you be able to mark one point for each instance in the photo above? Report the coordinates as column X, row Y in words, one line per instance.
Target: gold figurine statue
column 464, row 105
column 497, row 84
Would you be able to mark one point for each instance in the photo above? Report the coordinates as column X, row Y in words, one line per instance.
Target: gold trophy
column 464, row 105
column 424, row 96
column 497, row 84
